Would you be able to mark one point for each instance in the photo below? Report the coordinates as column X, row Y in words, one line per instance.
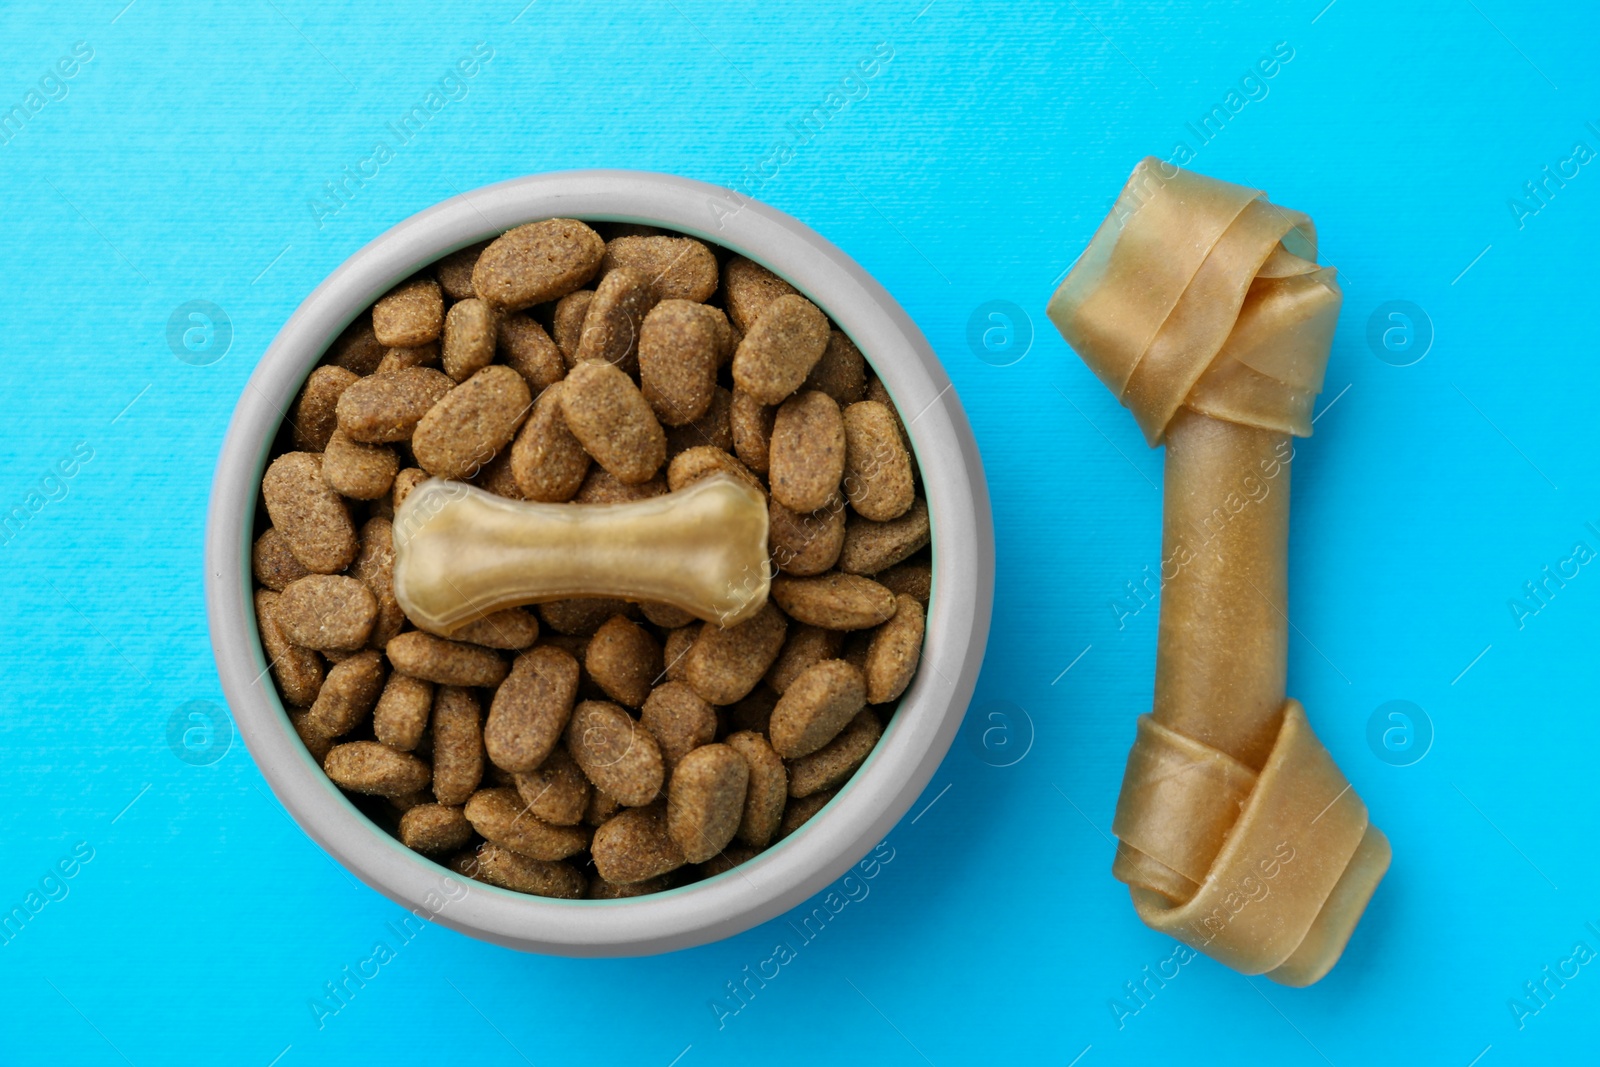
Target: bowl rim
column 929, row 713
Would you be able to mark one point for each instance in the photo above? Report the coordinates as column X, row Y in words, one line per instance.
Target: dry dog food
column 592, row 746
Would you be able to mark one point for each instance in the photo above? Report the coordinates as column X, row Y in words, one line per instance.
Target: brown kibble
column 895, row 651
column 318, row 743
column 601, row 808
column 877, row 476
column 412, row 313
column 407, row 480
column 435, row 828
column 455, row 271
column 445, row 662
column 870, row 547
column 706, row 801
column 457, row 744
column 665, row 616
column 357, row 349
column 600, row 889
column 675, row 653
column 386, row 407
column 634, row 845
column 374, row 565
column 714, row 428
column 806, row 457
column 501, row 817
column 410, row 356
column 725, row 663
column 616, row 314
column 556, row 791
column 496, row 477
column 524, row 874
column 600, row 486
column 469, row 339
column 375, row 769
column 315, row 412
column 751, row 422
column 531, row 708
column 768, row 790
column 308, row 515
column 624, row 660
column 727, row 860
column 581, row 615
column 273, row 565
column 402, row 711
column 692, row 464
column 748, row 288
column 528, row 350
column 546, row 460
column 834, row 601
column 537, row 262
column 807, row 543
column 509, row 629
column 567, row 323
column 815, row 707
column 680, row 348
column 800, row 811
column 841, row 372
column 806, row 647
column 364, row 472
column 472, row 422
column 780, row 348
column 606, row 412
column 679, row 720
column 913, row 578
column 617, row 754
column 676, row 268
column 327, row 611
column 832, row 765
column 298, row 671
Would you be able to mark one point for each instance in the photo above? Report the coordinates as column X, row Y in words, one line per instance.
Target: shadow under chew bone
column 461, row 552
column 1200, row 304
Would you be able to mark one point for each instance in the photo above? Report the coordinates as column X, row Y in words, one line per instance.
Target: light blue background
column 180, row 166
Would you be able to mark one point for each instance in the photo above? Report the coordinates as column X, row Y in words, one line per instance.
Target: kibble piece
column 834, row 601
column 841, row 372
column 665, row 616
column 805, row 647
column 870, row 547
column 725, row 663
column 806, row 458
column 751, row 423
column 412, row 313
column 273, row 565
column 913, row 578
column 327, row 611
column 617, row 754
column 634, row 845
column 602, row 806
column 805, row 543
column 407, row 480
column 455, row 271
column 606, row 412
column 537, row 262
column 800, row 811
column 374, row 565
column 624, row 659
column 616, row 314
column 501, row 817
column 528, row 350
column 676, row 268
column 445, row 662
column 357, row 349
column 457, row 744
column 567, row 323
column 495, row 477
column 679, row 720
column 316, row 740
column 581, row 616
column 524, row 874
column 469, row 338
column 768, row 790
column 877, row 466
column 815, row 707
column 832, row 765
column 510, row 629
column 600, row 486
column 748, row 288
column 555, row 791
column 402, row 711
column 546, row 460
column 402, row 357
column 472, row 422
column 600, row 889
column 298, row 671
column 895, row 651
column 375, row 769
column 706, row 801
column 435, row 828
column 315, row 412
column 714, row 428
column 680, row 348
column 308, row 515
column 385, row 407
column 531, row 708
column 780, row 348
column 675, row 652
column 727, row 860
column 360, row 471
column 692, row 464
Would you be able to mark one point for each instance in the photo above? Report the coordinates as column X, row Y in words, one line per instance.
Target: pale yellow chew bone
column 1201, row 306
column 461, row 552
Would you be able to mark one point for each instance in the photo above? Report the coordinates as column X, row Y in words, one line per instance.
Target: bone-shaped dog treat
column 1201, row 306
column 461, row 552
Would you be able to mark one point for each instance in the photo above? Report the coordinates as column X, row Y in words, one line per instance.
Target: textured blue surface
column 182, row 163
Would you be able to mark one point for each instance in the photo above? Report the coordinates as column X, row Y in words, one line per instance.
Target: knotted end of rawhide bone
column 461, row 552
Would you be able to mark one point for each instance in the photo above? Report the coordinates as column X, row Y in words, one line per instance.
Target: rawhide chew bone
column 1201, row 306
column 461, row 552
